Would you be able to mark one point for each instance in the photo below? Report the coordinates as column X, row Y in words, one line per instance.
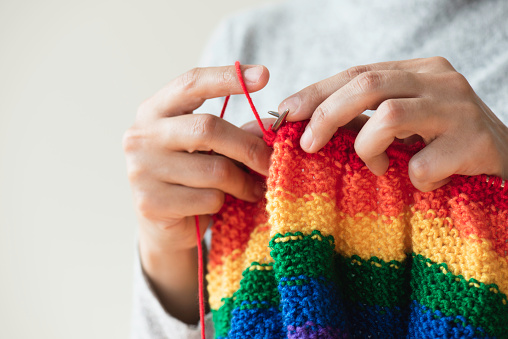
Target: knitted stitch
column 337, row 252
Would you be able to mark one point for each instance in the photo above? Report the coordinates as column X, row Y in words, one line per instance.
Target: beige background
column 72, row 74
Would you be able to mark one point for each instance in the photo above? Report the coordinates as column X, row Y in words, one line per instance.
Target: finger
column 161, row 201
column 432, row 167
column 302, row 104
column 364, row 92
column 208, row 171
column 253, row 126
column 396, row 118
column 205, row 132
column 188, row 91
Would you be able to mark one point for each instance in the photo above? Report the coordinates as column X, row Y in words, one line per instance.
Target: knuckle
column 460, row 84
column 360, row 151
column 441, row 61
column 226, row 77
column 203, row 126
column 321, row 113
column 189, row 79
column 355, row 71
column 135, row 173
column 363, row 152
column 145, row 205
column 391, row 112
column 419, row 170
column 368, row 81
column 131, row 140
column 221, row 170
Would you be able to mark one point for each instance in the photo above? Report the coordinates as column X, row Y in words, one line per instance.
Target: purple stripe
column 313, row 331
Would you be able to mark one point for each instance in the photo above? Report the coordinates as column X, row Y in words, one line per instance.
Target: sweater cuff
column 150, row 320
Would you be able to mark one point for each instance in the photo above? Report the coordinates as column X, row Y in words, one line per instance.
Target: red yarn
column 224, row 107
column 244, row 88
column 200, row 278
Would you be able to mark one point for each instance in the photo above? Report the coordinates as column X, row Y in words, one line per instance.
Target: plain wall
column 71, row 77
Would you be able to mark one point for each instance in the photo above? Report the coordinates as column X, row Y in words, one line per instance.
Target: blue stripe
column 414, row 321
column 310, row 300
column 373, row 321
column 256, row 323
column 425, row 323
column 305, row 300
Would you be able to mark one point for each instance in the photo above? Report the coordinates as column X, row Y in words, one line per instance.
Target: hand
column 423, row 97
column 174, row 178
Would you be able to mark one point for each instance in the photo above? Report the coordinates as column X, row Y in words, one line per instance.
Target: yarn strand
column 200, row 278
column 244, row 88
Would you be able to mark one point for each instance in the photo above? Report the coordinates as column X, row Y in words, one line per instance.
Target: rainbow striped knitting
column 336, row 252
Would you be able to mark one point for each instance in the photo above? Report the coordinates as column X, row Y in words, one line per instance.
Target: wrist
column 172, row 275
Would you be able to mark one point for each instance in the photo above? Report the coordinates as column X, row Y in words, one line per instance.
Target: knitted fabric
column 336, row 252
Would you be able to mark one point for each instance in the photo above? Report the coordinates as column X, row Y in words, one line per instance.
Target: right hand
column 170, row 171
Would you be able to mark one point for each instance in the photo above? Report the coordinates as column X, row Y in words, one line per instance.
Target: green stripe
column 222, row 318
column 373, row 281
column 453, row 295
column 258, row 289
column 257, row 286
column 310, row 257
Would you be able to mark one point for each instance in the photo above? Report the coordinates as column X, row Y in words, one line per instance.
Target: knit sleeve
column 151, row 321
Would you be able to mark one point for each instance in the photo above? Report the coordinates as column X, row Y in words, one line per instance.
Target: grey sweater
column 302, row 42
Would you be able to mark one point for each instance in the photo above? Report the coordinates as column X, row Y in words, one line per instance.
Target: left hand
column 424, row 97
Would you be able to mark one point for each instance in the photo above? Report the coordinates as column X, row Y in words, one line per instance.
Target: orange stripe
column 295, row 173
column 233, row 230
column 299, row 173
column 224, row 280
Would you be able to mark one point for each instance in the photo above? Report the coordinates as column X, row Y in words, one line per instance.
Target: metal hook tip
column 280, row 120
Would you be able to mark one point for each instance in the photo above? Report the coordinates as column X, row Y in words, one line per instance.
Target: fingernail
column 307, row 139
column 253, row 74
column 291, row 103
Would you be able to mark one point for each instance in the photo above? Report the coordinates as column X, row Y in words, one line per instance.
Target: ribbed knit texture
column 336, row 252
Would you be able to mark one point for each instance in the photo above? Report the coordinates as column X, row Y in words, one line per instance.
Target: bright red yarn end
column 200, row 278
column 224, row 107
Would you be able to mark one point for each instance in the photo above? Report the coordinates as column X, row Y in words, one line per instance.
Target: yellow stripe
column 470, row 257
column 373, row 235
column 303, row 214
column 224, row 280
column 364, row 235
column 260, row 268
column 257, row 247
